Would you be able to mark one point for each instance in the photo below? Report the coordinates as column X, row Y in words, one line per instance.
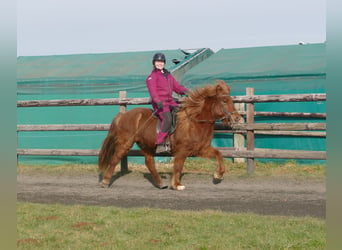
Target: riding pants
column 166, row 124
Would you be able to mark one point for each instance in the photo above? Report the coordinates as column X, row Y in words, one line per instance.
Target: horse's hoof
column 163, row 187
column 217, row 178
column 180, row 187
column 104, row 185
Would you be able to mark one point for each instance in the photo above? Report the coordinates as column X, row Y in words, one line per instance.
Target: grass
column 88, row 227
column 194, row 165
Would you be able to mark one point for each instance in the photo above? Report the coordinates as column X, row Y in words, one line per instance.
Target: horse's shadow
column 216, row 181
column 114, row 177
column 148, row 176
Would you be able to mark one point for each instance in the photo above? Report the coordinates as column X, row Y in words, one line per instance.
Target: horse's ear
column 219, row 89
column 220, row 85
column 220, row 82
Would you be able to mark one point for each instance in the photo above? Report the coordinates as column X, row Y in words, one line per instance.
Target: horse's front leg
column 177, row 172
column 211, row 152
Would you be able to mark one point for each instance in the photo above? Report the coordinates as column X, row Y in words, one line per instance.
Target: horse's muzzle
column 236, row 117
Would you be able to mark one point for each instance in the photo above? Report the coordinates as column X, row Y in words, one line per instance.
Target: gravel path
column 300, row 196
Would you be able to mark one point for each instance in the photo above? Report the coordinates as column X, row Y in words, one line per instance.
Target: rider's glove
column 160, row 105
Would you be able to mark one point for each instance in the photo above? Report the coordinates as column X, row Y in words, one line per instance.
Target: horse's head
column 210, row 103
column 223, row 106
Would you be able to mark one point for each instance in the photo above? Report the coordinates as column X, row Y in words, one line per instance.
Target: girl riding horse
column 194, row 131
column 161, row 84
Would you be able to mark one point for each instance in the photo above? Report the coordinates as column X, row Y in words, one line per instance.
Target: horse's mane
column 193, row 104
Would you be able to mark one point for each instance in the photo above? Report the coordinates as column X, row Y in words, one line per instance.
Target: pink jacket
column 161, row 86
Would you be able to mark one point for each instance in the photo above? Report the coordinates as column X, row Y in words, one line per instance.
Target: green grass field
column 88, row 227
column 43, row 226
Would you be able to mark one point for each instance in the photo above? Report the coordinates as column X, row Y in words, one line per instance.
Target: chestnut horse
column 194, row 131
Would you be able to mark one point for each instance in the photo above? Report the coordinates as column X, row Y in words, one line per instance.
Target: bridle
column 212, row 121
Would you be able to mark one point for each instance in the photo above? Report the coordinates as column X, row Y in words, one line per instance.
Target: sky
column 57, row 27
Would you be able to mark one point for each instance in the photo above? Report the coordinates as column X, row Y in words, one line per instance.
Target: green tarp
column 90, row 73
column 262, row 67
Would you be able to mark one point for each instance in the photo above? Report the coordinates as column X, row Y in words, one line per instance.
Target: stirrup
column 161, row 148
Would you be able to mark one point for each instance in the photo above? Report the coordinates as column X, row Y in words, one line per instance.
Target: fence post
column 124, row 160
column 239, row 139
column 250, row 133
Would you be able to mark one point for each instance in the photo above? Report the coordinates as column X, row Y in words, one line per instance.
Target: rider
column 161, row 84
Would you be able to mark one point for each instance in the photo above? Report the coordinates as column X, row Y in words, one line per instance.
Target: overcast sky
column 51, row 27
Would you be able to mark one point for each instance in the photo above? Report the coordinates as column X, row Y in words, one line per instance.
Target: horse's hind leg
column 150, row 164
column 108, row 173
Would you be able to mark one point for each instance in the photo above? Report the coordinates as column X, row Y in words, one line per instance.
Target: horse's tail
column 108, row 146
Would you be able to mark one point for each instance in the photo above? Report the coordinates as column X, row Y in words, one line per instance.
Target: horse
column 196, row 116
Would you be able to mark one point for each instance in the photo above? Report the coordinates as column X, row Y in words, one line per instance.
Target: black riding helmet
column 158, row 57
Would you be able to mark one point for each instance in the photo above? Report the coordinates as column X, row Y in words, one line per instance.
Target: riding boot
column 161, row 137
column 161, row 147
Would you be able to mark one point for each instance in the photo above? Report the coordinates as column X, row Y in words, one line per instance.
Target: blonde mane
column 193, row 104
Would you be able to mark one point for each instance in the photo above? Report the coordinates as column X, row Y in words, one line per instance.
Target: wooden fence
column 239, row 129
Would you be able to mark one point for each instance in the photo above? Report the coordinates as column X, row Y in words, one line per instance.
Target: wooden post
column 250, row 133
column 123, row 108
column 239, row 139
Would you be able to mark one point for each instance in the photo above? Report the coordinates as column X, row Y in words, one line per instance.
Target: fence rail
column 250, row 128
column 226, row 152
column 236, row 126
column 141, row 101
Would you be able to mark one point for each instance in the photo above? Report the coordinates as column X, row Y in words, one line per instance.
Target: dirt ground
column 296, row 196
